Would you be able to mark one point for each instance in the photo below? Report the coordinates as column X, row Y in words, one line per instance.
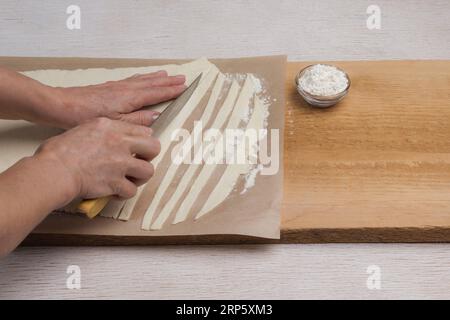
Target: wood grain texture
column 306, row 30
column 378, row 163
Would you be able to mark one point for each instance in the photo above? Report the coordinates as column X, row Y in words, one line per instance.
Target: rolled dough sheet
column 255, row 214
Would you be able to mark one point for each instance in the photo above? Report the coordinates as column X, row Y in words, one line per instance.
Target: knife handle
column 92, row 207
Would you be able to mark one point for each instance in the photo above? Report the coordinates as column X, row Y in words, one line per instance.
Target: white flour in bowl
column 323, row 80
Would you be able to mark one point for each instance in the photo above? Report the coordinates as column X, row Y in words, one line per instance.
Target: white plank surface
column 305, row 30
column 239, row 272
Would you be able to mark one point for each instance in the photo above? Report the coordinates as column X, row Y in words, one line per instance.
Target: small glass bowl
column 321, row 101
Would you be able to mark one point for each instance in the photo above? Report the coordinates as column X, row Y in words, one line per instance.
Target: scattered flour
column 262, row 94
column 257, row 84
column 246, row 114
column 250, row 178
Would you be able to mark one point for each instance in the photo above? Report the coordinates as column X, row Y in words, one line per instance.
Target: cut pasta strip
column 208, row 169
column 171, row 171
column 232, row 172
column 177, row 123
column 112, row 209
column 187, row 176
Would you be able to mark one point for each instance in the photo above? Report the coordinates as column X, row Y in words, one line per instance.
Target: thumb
column 141, row 117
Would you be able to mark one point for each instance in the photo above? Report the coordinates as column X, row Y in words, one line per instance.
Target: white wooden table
column 305, row 30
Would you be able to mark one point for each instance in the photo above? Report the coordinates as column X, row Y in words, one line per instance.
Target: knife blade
column 173, row 109
column 92, row 207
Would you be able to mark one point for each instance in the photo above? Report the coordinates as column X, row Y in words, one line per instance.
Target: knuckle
column 123, row 161
column 47, row 146
column 113, row 138
column 141, row 118
column 119, row 163
column 116, row 188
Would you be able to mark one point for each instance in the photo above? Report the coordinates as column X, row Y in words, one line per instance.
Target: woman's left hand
column 117, row 100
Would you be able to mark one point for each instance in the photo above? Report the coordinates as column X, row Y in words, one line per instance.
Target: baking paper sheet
column 256, row 213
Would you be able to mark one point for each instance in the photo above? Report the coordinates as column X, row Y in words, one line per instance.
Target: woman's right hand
column 103, row 157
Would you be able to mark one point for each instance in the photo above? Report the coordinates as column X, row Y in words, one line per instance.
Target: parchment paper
column 256, row 213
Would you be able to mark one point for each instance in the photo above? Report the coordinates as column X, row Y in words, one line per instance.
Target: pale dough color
column 206, row 170
column 240, row 100
column 173, row 167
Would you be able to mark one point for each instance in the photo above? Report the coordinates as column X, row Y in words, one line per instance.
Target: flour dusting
column 250, row 178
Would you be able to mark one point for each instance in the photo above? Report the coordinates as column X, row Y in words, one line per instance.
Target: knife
column 92, row 207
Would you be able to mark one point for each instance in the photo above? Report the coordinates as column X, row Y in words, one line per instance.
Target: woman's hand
column 99, row 158
column 24, row 98
column 103, row 157
column 118, row 100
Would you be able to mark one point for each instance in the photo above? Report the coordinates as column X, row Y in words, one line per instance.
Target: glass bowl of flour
column 322, row 85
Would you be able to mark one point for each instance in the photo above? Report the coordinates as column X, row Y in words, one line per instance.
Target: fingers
column 129, row 129
column 163, row 81
column 137, row 139
column 160, row 73
column 140, row 171
column 141, row 149
column 157, row 79
column 150, row 89
column 125, row 189
column 154, row 95
column 146, row 148
column 142, row 117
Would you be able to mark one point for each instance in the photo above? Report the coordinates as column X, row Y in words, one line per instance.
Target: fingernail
column 180, row 76
column 155, row 116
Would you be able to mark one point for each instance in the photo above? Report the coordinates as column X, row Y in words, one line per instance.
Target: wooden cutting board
column 374, row 168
